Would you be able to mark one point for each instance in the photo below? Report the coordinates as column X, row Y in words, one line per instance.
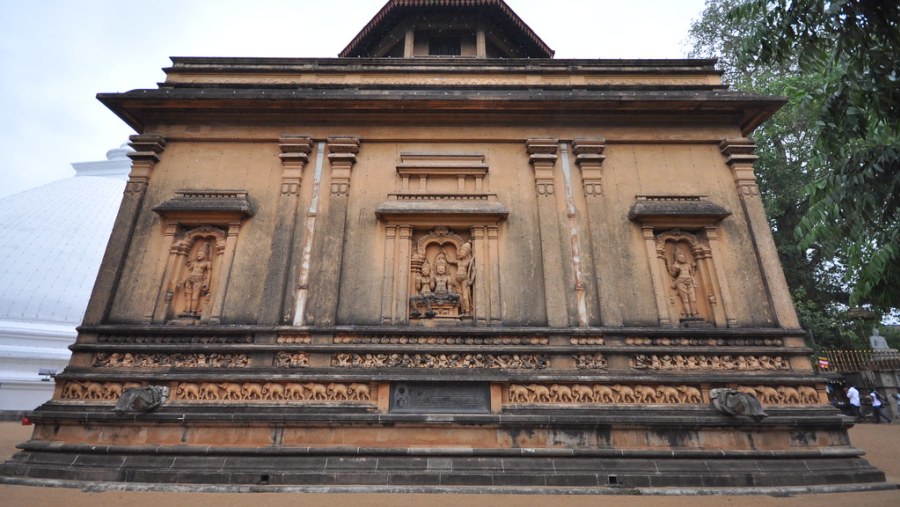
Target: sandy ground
column 881, row 443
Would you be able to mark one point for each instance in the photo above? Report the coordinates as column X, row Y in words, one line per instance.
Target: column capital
column 589, row 158
column 738, row 150
column 147, row 147
column 343, row 149
column 144, row 158
column 295, row 150
column 589, row 152
column 542, row 150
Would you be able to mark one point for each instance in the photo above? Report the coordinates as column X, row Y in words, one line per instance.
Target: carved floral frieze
column 704, row 342
column 303, row 339
column 708, row 362
column 271, row 391
column 164, row 360
column 165, row 340
column 587, row 340
column 441, row 340
column 510, row 361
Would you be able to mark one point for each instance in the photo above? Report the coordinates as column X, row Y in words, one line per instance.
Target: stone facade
column 469, row 270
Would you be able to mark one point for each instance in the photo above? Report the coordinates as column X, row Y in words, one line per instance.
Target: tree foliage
column 854, row 198
column 827, row 173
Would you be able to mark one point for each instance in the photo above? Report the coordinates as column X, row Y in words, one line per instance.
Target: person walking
column 877, row 406
column 853, row 398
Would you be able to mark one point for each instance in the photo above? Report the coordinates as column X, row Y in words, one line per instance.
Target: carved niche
column 681, row 254
column 199, row 255
column 442, row 276
column 680, row 233
column 201, row 229
column 442, row 254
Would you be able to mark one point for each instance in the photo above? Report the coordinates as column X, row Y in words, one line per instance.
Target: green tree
column 791, row 166
column 854, row 197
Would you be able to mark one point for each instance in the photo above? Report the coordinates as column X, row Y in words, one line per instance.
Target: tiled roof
column 393, row 8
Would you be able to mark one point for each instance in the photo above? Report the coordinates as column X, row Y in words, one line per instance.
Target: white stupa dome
column 54, row 237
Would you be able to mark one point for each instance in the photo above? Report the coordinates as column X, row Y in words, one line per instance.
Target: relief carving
column 96, row 391
column 161, row 360
column 443, row 275
column 587, row 340
column 782, row 395
column 704, row 342
column 590, row 361
column 600, row 393
column 294, row 339
column 688, row 269
column 198, row 258
column 441, row 340
column 499, row 361
column 684, row 281
column 292, row 359
column 271, row 391
column 681, row 362
column 165, row 340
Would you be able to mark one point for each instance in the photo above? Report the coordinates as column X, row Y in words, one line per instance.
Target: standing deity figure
column 465, row 276
column 196, row 283
column 685, row 283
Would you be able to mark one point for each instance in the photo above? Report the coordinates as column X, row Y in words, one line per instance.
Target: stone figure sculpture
column 141, row 399
column 685, row 283
column 737, row 403
column 196, row 283
column 465, row 277
column 877, row 341
column 441, row 278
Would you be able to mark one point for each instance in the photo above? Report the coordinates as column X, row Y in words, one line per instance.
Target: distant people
column 877, row 405
column 853, row 398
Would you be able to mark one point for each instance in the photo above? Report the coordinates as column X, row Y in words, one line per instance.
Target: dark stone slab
column 440, row 397
column 574, row 480
column 467, row 479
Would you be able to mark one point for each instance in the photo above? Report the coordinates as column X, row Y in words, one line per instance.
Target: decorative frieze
column 177, row 340
column 96, row 391
column 292, row 359
column 782, row 395
column 164, row 360
column 679, row 362
column 440, row 361
column 270, row 391
column 601, row 393
column 590, row 361
column 666, row 341
column 440, row 340
column 286, row 339
column 587, row 340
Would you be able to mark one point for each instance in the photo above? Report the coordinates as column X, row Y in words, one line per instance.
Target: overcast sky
column 56, row 55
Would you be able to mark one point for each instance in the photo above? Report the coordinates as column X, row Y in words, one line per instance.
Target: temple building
column 442, row 258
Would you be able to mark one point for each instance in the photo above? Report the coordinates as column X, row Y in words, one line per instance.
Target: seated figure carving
column 433, row 290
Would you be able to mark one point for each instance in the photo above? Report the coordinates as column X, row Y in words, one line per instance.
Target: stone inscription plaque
column 440, row 397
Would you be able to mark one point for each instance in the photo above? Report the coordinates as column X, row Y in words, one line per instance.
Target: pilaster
column 589, row 158
column 738, row 153
column 543, row 154
column 148, row 148
column 342, row 151
column 294, row 156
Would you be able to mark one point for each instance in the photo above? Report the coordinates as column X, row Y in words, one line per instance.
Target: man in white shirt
column 877, row 406
column 853, row 397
